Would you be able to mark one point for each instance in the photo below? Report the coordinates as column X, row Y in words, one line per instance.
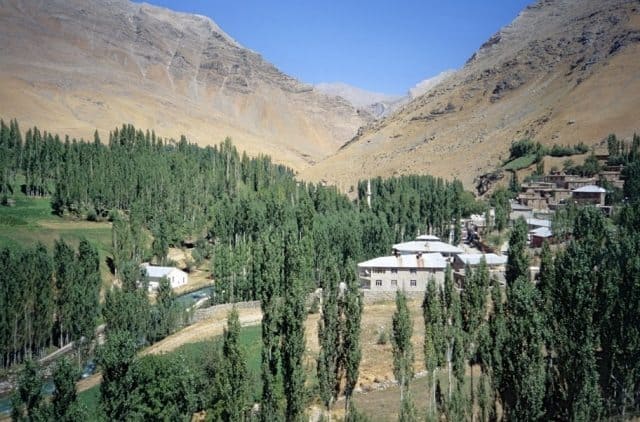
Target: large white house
column 426, row 237
column 426, row 247
column 409, row 272
column 154, row 273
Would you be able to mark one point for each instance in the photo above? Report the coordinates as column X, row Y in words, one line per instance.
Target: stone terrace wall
column 223, row 309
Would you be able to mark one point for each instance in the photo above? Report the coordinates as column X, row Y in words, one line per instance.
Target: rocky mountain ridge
column 564, row 71
column 75, row 65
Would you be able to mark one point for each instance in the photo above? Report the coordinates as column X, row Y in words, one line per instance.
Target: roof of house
column 427, row 237
column 490, row 258
column 538, row 222
column 428, row 260
column 519, row 207
column 542, row 232
column 158, row 272
column 416, row 246
column 590, row 189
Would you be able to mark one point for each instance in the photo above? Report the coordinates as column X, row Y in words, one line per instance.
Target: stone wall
column 223, row 309
column 370, row 296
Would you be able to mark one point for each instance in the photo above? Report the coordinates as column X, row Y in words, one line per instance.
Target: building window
column 394, row 283
column 413, row 283
column 378, row 282
column 378, row 270
column 394, row 271
column 413, row 271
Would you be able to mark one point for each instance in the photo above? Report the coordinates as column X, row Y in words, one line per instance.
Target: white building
column 426, row 247
column 494, row 262
column 175, row 276
column 403, row 271
column 428, row 237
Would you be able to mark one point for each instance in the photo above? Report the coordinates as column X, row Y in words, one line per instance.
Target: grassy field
column 520, row 163
column 250, row 339
column 30, row 221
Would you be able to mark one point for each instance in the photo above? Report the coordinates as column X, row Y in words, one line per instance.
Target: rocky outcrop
column 75, row 65
column 558, row 61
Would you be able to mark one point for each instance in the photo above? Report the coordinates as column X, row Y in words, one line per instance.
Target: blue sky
column 378, row 45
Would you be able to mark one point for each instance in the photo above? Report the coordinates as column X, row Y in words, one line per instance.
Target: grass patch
column 521, row 162
column 196, row 354
column 251, row 342
column 30, row 221
column 91, row 400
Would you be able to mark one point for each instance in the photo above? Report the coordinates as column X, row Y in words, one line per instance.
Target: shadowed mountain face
column 75, row 65
column 564, row 71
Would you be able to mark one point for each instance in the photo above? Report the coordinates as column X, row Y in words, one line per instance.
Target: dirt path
column 376, row 364
column 199, row 331
column 202, row 330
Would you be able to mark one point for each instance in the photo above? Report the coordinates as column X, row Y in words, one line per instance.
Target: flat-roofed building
column 424, row 247
column 494, row 262
column 590, row 194
column 154, row 273
column 427, row 237
column 409, row 272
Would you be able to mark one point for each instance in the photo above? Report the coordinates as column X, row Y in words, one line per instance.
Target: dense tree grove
column 564, row 348
column 46, row 300
column 214, row 195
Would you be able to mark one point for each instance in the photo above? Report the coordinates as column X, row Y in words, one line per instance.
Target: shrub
column 383, row 337
column 314, row 308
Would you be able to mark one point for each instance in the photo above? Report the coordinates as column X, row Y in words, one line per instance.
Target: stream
column 187, row 300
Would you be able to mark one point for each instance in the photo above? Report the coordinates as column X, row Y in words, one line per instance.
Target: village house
column 519, row 210
column 589, row 195
column 422, row 247
column 535, row 223
column 154, row 274
column 539, row 235
column 613, row 176
column 409, row 272
column 428, row 237
column 496, row 264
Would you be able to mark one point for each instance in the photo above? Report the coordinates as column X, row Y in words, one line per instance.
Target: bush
column 315, row 305
column 383, row 337
column 92, row 215
column 521, row 148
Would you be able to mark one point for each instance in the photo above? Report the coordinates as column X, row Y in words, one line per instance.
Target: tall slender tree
column 403, row 357
column 329, row 338
column 293, row 344
column 434, row 337
column 523, row 379
column 517, row 259
column 352, row 350
column 234, row 391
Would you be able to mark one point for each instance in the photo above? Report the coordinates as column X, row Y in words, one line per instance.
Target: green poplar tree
column 293, row 340
column 517, row 259
column 116, row 358
column 522, row 383
column 27, row 401
column 329, row 338
column 65, row 401
column 234, row 391
column 403, row 356
column 353, row 307
column 473, row 301
column 270, row 406
column 434, row 341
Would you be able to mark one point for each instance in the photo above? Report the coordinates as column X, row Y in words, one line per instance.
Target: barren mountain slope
column 75, row 65
column 564, row 71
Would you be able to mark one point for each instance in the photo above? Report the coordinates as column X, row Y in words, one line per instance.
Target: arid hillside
column 563, row 71
column 71, row 66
